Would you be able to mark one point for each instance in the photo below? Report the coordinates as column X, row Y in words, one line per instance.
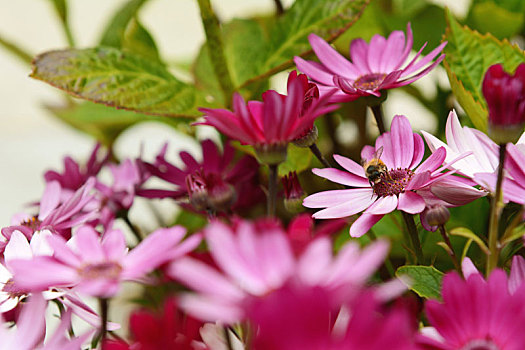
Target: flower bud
column 437, row 215
column 505, row 96
column 307, row 139
column 293, row 193
column 271, row 154
column 210, row 192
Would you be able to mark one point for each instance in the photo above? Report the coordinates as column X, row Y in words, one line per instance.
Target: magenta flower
column 477, row 314
column 256, row 260
column 377, row 66
column 305, row 318
column 97, row 266
column 397, row 188
column 216, row 182
column 275, row 121
column 505, row 96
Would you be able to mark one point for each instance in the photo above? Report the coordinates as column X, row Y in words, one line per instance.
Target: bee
column 375, row 169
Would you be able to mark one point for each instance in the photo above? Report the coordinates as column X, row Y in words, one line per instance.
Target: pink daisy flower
column 255, row 260
column 377, row 66
column 271, row 124
column 477, row 314
column 397, row 188
column 97, row 266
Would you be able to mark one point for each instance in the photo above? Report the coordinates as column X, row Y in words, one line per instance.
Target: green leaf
column 502, row 18
column 425, row 281
column 118, row 79
column 298, row 159
column 138, row 40
column 102, row 122
column 465, row 232
column 114, row 32
column 468, row 56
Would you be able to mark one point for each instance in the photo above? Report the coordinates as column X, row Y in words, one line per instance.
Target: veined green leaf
column 468, row 56
column 118, row 79
column 501, row 18
column 104, row 123
column 138, row 40
column 425, row 281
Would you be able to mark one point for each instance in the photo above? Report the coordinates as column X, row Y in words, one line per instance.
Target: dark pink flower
column 275, row 121
column 377, row 66
column 218, row 181
column 477, row 314
column 505, row 96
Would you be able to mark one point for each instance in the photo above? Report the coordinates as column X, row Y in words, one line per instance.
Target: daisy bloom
column 255, row 260
column 97, row 266
column 477, row 314
column 402, row 152
column 377, row 66
column 271, row 124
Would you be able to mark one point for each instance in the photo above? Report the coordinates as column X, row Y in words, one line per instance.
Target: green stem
column 16, row 50
column 453, row 256
column 495, row 211
column 378, row 115
column 215, row 49
column 272, row 189
column 134, row 229
column 279, row 7
column 104, row 306
column 315, row 150
column 414, row 236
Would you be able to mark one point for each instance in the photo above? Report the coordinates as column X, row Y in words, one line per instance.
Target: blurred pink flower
column 397, row 189
column 377, row 66
column 477, row 314
column 256, row 260
column 97, row 266
column 275, row 121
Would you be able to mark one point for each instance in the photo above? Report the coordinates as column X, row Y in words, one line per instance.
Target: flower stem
column 134, row 229
column 378, row 115
column 279, row 7
column 216, row 49
column 495, row 212
column 453, row 256
column 272, row 189
column 315, row 150
column 414, row 236
column 104, row 306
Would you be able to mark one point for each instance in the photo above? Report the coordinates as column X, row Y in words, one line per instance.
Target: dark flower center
column 481, row 344
column 369, row 81
column 101, row 270
column 32, row 223
column 393, row 182
column 13, row 291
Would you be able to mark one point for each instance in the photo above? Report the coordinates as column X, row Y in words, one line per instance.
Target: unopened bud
column 293, row 193
column 307, row 139
column 437, row 215
column 271, row 154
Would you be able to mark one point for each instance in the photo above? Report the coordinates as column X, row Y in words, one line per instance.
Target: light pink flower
column 477, row 314
column 484, row 157
column 255, row 261
column 277, row 120
column 97, row 266
column 398, row 189
column 377, row 66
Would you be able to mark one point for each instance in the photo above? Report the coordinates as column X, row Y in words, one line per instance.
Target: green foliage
column 138, row 40
column 298, row 159
column 425, row 281
column 469, row 55
column 119, row 79
column 502, row 18
column 102, row 122
column 114, row 33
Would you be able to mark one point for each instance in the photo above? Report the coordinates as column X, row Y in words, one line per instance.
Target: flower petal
column 402, row 142
column 363, row 224
column 349, row 165
column 411, row 202
column 383, row 205
column 332, row 59
column 342, row 177
column 337, row 197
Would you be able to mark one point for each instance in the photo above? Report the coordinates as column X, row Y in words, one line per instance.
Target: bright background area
column 31, row 140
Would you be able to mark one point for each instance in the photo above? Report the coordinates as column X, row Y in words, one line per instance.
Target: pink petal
column 88, row 245
column 359, row 53
column 388, row 156
column 98, row 287
column 425, row 60
column 50, row 199
column 342, row 177
column 433, row 162
column 41, row 272
column 419, row 151
column 315, row 261
column 363, row 224
column 391, row 56
column 350, row 165
column 383, row 205
column 114, row 245
column 337, row 197
column 210, row 309
column 31, row 324
column 517, row 273
column 402, row 142
column 332, row 59
column 62, row 252
column 367, row 152
column 411, row 202
column 468, row 268
column 17, row 248
column 314, row 70
column 375, row 49
column 358, row 203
